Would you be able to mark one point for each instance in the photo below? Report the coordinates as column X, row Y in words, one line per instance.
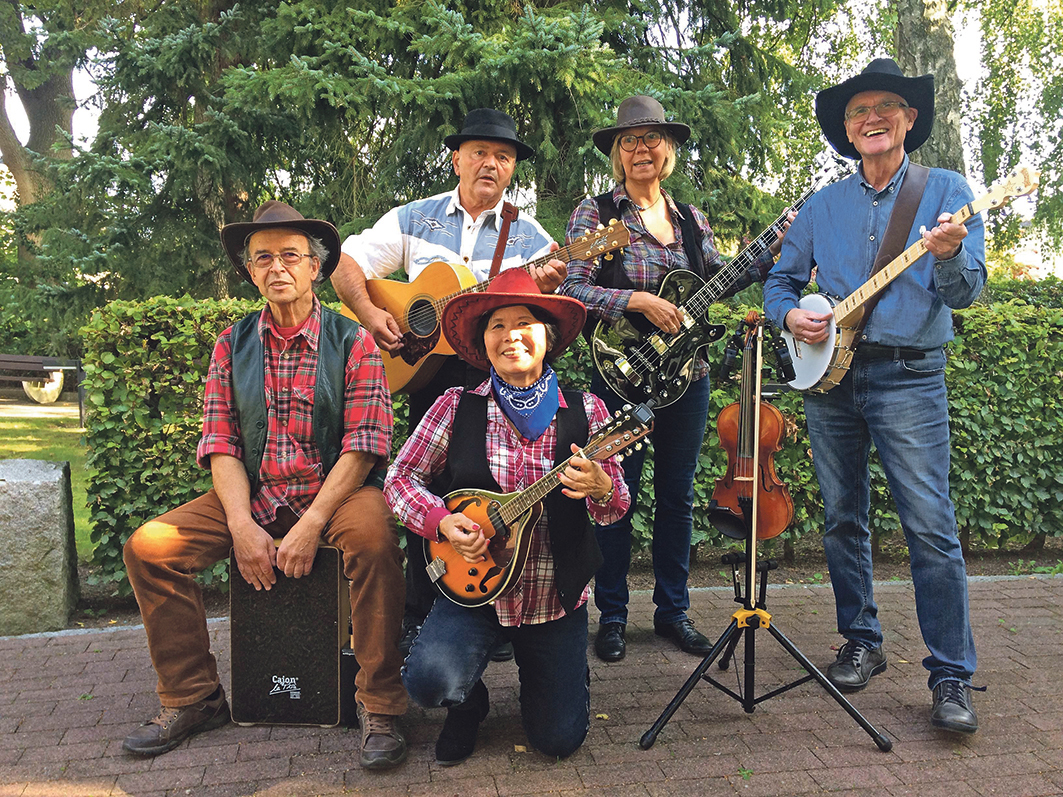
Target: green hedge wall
column 146, row 362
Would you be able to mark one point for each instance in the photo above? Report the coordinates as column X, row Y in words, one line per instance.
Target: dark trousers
column 420, row 592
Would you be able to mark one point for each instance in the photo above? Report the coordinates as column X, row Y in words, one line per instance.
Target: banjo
column 821, row 366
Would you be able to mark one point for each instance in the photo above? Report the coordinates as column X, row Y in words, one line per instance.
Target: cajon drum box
column 287, row 645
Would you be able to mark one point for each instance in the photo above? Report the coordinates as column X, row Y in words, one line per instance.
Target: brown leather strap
column 900, row 224
column 509, row 214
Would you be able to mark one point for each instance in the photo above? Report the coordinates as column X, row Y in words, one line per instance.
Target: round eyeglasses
column 288, row 259
column 628, row 142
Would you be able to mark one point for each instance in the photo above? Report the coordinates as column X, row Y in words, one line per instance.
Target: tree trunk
column 925, row 45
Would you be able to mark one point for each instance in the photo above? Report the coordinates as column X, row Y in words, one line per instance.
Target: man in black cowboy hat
column 893, row 395
column 296, row 432
column 460, row 226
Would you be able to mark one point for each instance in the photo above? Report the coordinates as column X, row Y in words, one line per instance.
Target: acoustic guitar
column 507, row 520
column 820, row 366
column 418, row 306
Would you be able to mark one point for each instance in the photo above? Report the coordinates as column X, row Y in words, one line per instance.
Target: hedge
column 146, row 362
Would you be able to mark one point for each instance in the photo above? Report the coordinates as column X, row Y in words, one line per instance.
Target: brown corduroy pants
column 163, row 556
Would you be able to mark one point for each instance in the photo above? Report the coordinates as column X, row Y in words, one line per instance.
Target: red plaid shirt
column 516, row 464
column 291, row 472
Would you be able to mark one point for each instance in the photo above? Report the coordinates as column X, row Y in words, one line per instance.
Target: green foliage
column 1047, row 292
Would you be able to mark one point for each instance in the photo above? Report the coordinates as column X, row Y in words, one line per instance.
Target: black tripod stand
column 744, row 624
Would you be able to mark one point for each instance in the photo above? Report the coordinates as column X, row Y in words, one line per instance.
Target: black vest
column 338, row 334
column 572, row 541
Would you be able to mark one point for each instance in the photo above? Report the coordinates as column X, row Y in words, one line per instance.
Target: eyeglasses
column 651, row 139
column 289, row 259
column 887, row 108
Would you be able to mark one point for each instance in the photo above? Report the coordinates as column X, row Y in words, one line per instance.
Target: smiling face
column 288, row 289
column 484, row 169
column 516, row 343
column 644, row 165
column 879, row 137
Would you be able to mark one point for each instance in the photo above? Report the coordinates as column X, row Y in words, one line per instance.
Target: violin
column 751, row 431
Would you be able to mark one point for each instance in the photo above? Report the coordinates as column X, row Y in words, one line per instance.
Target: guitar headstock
column 1020, row 182
column 598, row 242
column 627, row 427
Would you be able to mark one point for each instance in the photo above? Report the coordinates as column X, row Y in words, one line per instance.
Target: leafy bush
column 1047, row 292
column 146, row 365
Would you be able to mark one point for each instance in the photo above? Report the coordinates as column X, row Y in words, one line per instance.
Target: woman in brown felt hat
column 665, row 235
column 503, row 436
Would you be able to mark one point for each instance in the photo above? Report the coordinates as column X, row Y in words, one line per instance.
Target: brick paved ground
column 67, row 700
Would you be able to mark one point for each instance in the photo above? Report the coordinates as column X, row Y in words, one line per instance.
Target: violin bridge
column 436, row 569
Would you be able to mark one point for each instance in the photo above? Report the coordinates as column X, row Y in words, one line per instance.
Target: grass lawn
column 54, row 439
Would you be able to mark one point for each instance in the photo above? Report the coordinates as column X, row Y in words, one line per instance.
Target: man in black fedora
column 297, row 429
column 893, row 395
column 461, row 226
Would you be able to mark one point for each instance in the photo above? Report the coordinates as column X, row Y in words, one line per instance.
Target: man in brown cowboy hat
column 297, row 433
column 460, row 226
column 893, row 395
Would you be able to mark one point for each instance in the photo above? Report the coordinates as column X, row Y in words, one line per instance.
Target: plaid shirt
column 291, row 471
column 516, row 464
column 646, row 261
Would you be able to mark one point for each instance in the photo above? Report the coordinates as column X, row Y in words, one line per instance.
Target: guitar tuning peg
column 601, row 226
column 609, row 256
column 625, row 408
column 619, row 457
column 638, row 446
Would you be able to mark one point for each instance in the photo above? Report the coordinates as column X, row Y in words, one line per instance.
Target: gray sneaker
column 855, row 665
column 174, row 725
column 383, row 745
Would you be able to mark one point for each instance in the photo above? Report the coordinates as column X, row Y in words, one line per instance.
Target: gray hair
column 315, row 244
column 669, row 158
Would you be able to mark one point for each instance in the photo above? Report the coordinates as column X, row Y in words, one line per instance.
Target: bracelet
column 605, row 499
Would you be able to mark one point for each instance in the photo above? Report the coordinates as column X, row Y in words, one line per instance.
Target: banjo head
column 811, row 360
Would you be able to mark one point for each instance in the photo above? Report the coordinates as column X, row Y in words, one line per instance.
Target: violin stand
column 744, row 623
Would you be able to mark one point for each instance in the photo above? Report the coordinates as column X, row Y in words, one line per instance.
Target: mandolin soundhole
column 422, row 318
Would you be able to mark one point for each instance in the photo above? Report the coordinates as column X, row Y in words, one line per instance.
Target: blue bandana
column 530, row 408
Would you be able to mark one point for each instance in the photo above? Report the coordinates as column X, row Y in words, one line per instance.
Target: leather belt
column 876, row 351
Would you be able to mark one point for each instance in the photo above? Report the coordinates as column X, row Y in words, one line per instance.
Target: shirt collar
column 311, row 330
column 894, row 182
column 454, row 206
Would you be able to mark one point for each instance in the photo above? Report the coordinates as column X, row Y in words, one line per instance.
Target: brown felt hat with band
column 638, row 111
column 271, row 215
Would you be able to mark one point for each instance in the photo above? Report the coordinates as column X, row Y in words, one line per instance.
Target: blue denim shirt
column 839, row 231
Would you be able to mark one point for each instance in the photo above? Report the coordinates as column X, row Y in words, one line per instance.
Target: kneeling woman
column 503, row 436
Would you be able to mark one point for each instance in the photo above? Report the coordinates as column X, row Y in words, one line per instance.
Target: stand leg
column 884, row 743
column 650, row 736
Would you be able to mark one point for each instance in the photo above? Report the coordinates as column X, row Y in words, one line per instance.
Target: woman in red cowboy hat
column 503, row 436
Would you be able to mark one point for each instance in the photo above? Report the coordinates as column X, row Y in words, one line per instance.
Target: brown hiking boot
column 383, row 745
column 174, row 725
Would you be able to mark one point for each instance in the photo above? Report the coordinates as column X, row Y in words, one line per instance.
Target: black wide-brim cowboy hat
column 638, row 111
column 271, row 215
column 487, row 124
column 512, row 287
column 882, row 74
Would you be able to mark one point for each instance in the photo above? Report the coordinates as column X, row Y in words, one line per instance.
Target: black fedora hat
column 271, row 215
column 490, row 125
column 638, row 111
column 882, row 74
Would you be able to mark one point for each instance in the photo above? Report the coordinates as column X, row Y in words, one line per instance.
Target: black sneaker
column 952, row 709
column 855, row 665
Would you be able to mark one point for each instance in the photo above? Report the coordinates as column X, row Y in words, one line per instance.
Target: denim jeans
column 901, row 407
column 678, row 430
column 453, row 649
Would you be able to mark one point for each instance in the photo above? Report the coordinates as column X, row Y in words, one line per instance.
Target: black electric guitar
column 639, row 361
column 507, row 520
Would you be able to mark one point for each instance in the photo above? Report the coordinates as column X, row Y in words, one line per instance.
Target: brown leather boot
column 174, row 725
column 383, row 745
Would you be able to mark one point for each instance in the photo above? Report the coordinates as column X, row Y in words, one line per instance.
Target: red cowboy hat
column 511, row 287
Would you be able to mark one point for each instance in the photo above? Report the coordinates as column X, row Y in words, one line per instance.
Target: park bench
column 22, row 369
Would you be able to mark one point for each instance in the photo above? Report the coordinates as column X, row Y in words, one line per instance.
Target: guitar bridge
column 436, row 569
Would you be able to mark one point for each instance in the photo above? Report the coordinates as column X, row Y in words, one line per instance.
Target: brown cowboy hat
column 487, row 124
column 638, row 111
column 271, row 215
column 511, row 287
column 882, row 74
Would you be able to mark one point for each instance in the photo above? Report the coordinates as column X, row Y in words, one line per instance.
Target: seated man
column 296, row 431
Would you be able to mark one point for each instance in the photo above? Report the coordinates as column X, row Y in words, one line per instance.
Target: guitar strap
column 509, row 214
column 897, row 229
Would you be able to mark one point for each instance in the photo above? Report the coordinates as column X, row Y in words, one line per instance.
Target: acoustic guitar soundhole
column 422, row 318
